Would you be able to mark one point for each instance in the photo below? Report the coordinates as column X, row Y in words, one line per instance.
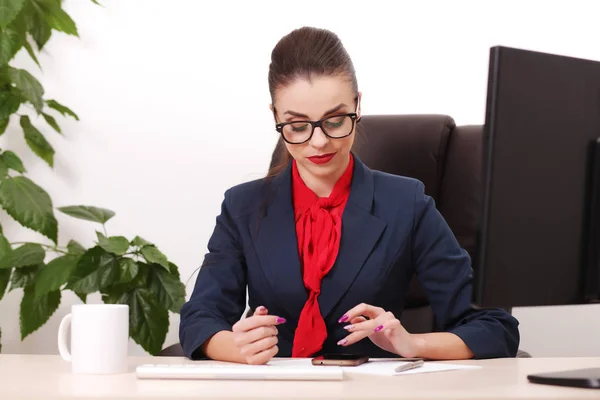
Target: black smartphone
column 344, row 360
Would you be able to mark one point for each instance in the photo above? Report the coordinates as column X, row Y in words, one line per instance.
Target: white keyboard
column 238, row 372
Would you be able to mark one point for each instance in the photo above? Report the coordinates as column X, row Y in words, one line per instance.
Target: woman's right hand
column 256, row 336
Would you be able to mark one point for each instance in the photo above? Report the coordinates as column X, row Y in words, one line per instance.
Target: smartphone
column 345, row 360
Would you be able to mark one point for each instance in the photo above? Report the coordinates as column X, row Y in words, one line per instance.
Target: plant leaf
column 9, row 10
column 13, row 161
column 3, row 125
column 52, row 276
column 37, row 26
column 128, row 270
column 29, row 205
column 35, row 312
column 153, row 255
column 28, row 254
column 61, row 109
column 88, row 213
column 3, row 168
column 75, row 248
column 31, row 52
column 116, row 244
column 98, row 4
column 31, row 88
column 37, row 142
column 61, row 21
column 9, row 103
column 52, row 122
column 5, row 253
column 140, row 242
column 168, row 290
column 96, row 270
column 9, row 45
column 148, row 320
column 82, row 296
column 4, row 279
column 21, row 277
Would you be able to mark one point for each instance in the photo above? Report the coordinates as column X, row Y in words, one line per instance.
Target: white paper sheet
column 380, row 367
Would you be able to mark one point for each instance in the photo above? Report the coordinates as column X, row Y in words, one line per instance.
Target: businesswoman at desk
column 325, row 246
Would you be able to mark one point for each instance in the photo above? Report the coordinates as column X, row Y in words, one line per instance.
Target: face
column 321, row 157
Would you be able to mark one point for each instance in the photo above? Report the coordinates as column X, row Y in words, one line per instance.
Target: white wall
column 173, row 102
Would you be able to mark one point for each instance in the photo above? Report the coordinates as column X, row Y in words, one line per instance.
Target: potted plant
column 124, row 270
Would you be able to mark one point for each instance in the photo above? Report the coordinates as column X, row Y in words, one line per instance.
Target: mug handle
column 63, row 328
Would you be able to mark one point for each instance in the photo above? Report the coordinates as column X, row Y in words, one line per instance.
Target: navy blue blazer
column 390, row 230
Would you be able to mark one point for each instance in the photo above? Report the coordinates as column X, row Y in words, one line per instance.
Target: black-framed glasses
column 335, row 127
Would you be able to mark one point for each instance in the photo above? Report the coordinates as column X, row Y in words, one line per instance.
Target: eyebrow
column 300, row 115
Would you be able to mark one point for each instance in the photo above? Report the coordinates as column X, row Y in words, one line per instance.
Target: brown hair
column 304, row 53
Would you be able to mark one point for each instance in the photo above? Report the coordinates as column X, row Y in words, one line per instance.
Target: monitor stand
column 587, row 377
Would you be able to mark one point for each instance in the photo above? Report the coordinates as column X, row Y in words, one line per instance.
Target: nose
column 319, row 140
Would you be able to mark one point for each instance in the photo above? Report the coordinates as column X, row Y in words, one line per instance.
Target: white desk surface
column 49, row 377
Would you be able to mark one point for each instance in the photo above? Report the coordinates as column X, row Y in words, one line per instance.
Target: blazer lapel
column 360, row 232
column 277, row 245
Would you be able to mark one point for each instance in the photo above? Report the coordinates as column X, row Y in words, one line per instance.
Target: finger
column 388, row 326
column 367, row 328
column 253, row 335
column 263, row 357
column 362, row 309
column 371, row 324
column 261, row 310
column 259, row 346
column 357, row 320
column 256, row 321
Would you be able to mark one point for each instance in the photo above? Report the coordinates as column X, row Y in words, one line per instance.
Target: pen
column 409, row 366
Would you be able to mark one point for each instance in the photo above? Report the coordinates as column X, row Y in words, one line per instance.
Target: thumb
column 260, row 310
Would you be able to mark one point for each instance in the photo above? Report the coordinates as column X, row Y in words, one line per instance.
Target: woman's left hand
column 382, row 327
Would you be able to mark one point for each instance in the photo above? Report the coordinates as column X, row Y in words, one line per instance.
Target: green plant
column 132, row 272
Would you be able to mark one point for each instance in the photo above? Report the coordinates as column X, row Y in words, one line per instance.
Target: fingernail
column 380, row 327
column 280, row 320
column 348, row 327
column 342, row 342
column 261, row 309
column 344, row 318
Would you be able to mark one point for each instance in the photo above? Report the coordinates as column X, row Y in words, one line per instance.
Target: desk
column 49, row 377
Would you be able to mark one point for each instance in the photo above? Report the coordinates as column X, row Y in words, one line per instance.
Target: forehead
column 315, row 96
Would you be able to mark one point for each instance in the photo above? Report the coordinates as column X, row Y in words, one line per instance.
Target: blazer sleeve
column 445, row 272
column 219, row 296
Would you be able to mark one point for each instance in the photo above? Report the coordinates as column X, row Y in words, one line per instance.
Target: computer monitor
column 539, row 238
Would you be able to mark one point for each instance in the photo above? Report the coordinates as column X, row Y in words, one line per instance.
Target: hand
column 256, row 336
column 382, row 327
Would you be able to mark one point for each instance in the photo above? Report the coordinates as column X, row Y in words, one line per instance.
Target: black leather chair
column 448, row 160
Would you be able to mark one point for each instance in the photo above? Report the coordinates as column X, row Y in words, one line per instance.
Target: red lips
column 322, row 158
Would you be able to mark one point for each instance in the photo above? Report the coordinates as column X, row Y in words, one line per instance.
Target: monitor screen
column 542, row 119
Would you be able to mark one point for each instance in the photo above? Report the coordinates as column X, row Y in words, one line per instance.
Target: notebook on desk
column 239, row 372
column 285, row 369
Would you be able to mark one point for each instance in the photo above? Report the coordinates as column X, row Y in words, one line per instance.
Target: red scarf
column 319, row 229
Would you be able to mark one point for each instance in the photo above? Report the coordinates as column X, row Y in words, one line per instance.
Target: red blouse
column 319, row 229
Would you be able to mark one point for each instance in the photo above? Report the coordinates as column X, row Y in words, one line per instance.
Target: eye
column 298, row 127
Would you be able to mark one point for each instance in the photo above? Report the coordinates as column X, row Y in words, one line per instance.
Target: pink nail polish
column 380, row 327
column 348, row 327
column 280, row 320
column 344, row 318
column 342, row 342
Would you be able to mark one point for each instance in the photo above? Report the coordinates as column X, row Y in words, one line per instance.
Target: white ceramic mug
column 99, row 338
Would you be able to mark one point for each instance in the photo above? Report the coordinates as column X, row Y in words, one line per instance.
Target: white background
column 173, row 101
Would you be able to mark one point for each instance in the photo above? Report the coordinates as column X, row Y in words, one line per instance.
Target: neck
column 322, row 186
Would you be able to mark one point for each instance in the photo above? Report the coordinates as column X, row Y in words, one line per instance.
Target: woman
column 325, row 246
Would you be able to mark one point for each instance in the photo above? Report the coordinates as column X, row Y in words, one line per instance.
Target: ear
column 271, row 107
column 358, row 109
